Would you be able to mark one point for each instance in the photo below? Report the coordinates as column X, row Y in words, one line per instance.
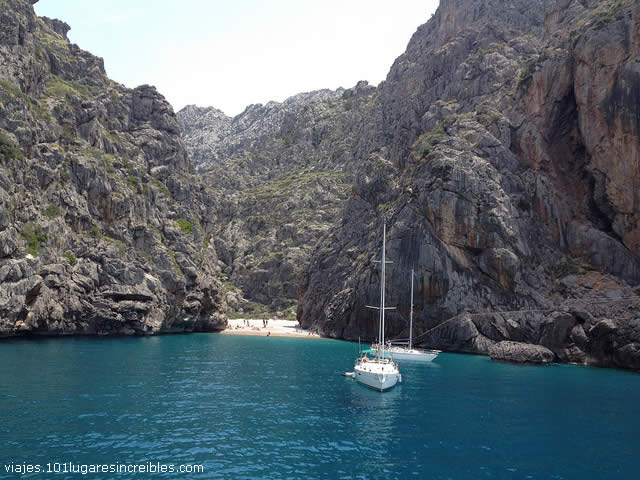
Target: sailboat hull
column 377, row 376
column 404, row 354
column 413, row 355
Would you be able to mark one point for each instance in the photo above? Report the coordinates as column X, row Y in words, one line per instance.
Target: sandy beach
column 274, row 328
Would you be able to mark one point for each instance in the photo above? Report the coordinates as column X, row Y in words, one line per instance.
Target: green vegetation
column 65, row 176
column 50, row 39
column 228, row 286
column 132, row 182
column 199, row 226
column 39, row 111
column 67, row 133
column 113, row 137
column 287, row 141
column 265, row 205
column 176, row 265
column 35, row 236
column 205, row 239
column 161, row 186
column 107, row 161
column 258, row 310
column 163, row 239
column 561, row 270
column 251, row 310
column 423, row 146
column 87, row 151
column 445, row 168
column 40, row 54
column 52, row 211
column 526, row 72
column 9, row 149
column 132, row 177
column 605, row 15
column 379, row 164
column 59, row 88
column 488, row 119
column 290, row 184
column 71, row 258
column 185, row 225
column 119, row 243
column 115, row 97
column 484, row 51
column 12, row 91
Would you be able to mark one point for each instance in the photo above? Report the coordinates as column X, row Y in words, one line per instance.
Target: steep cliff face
column 103, row 227
column 282, row 173
column 581, row 130
column 506, row 170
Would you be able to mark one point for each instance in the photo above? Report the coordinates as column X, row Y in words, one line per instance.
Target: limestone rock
column 282, row 172
column 503, row 162
column 97, row 234
column 520, row 353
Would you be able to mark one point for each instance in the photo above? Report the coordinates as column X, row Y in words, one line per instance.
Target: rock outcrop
column 104, row 229
column 520, row 353
column 504, row 160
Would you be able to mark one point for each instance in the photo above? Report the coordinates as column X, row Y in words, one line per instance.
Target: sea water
column 274, row 408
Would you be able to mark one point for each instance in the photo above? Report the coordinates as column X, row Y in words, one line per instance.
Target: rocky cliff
column 501, row 151
column 282, row 173
column 504, row 161
column 104, row 229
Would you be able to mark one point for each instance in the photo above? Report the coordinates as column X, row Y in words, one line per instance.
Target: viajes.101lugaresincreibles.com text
column 85, row 469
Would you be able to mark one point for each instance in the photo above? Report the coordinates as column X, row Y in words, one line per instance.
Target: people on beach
column 276, row 328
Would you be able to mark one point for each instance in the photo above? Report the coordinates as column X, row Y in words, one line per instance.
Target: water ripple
column 248, row 407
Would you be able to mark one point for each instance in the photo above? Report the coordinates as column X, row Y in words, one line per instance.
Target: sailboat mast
column 384, row 269
column 411, row 314
column 379, row 332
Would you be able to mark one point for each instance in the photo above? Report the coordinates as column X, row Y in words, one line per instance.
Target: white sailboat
column 406, row 352
column 380, row 373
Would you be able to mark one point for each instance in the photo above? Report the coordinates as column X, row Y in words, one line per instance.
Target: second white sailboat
column 404, row 351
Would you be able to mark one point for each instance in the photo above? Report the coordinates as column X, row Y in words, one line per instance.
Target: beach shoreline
column 271, row 327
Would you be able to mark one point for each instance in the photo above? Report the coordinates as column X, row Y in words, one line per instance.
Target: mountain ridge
column 501, row 151
column 495, row 194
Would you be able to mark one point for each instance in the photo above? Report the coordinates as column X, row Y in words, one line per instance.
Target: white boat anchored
column 403, row 351
column 380, row 373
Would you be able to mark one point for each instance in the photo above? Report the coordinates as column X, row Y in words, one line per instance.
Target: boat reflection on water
column 374, row 414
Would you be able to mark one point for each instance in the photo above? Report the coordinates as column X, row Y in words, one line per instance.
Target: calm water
column 251, row 407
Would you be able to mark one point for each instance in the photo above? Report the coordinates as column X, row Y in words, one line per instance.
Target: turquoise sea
column 275, row 408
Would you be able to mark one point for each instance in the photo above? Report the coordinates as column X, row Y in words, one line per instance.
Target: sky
column 232, row 53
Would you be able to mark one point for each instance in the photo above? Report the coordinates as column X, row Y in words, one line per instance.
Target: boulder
column 520, row 352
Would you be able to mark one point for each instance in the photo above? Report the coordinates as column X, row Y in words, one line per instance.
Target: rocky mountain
column 502, row 152
column 505, row 165
column 282, row 173
column 104, row 228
